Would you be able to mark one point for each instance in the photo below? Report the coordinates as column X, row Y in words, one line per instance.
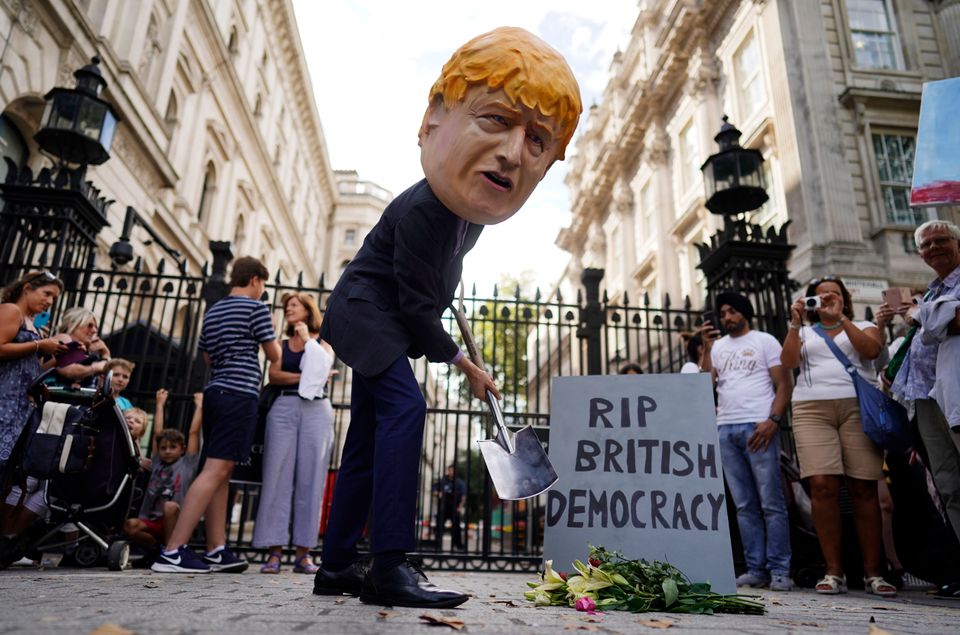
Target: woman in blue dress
column 20, row 346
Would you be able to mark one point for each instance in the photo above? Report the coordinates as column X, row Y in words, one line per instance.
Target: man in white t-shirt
column 753, row 390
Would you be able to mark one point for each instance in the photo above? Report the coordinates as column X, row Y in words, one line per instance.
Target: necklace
column 832, row 327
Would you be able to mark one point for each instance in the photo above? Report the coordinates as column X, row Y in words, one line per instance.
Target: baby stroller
column 76, row 453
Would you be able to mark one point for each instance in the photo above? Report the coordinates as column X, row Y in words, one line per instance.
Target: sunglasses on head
column 815, row 281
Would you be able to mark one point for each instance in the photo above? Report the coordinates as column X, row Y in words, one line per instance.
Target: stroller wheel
column 118, row 555
column 88, row 553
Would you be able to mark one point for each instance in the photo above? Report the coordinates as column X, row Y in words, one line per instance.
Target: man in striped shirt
column 234, row 330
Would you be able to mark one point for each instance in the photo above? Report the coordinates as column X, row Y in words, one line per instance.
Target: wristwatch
column 777, row 419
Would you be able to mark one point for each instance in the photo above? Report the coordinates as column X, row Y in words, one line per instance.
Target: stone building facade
column 829, row 92
column 220, row 138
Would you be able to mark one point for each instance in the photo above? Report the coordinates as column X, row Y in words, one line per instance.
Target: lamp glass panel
column 63, row 113
column 108, row 130
column 91, row 118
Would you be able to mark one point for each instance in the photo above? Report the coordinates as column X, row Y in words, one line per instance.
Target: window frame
column 920, row 214
column 893, row 31
column 756, row 77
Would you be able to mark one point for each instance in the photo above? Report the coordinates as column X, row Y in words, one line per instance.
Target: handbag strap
column 847, row 364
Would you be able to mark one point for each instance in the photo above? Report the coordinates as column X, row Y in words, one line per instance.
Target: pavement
column 66, row 601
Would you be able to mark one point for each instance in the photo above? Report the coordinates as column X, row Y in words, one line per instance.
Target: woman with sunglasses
column 20, row 346
column 86, row 355
column 831, row 444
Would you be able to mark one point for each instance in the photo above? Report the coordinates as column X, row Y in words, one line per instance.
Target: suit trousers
column 380, row 464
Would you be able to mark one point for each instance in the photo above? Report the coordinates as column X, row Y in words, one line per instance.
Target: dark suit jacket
column 389, row 300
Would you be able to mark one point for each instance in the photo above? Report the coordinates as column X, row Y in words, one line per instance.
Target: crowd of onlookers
column 178, row 483
column 757, row 379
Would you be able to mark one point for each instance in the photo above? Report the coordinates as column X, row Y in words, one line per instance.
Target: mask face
column 485, row 156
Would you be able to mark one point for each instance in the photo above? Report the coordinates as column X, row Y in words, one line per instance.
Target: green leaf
column 670, row 592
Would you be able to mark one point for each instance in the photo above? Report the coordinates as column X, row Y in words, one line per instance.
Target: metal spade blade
column 518, row 464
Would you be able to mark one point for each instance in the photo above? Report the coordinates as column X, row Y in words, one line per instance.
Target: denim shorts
column 229, row 424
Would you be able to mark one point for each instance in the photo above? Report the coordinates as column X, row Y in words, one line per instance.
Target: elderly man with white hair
column 926, row 379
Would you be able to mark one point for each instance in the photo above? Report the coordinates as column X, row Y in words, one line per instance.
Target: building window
column 207, row 192
column 12, row 144
column 643, row 227
column 747, row 66
column 690, row 159
column 350, row 237
column 873, row 29
column 894, row 155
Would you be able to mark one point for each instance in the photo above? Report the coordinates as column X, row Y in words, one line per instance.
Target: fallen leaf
column 878, row 631
column 436, row 620
column 385, row 614
column 581, row 627
column 110, row 629
column 512, row 603
column 340, row 601
column 655, row 623
column 151, row 584
column 884, row 608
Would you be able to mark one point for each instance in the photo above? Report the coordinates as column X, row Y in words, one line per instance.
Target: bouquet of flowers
column 611, row 582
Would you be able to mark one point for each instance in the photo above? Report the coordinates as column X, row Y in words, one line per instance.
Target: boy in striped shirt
column 234, row 329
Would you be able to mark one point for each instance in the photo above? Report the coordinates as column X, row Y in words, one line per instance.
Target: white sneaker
column 781, row 583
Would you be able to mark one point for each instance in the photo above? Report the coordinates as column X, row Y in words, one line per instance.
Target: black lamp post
column 741, row 256
column 733, row 178
column 51, row 220
column 78, row 126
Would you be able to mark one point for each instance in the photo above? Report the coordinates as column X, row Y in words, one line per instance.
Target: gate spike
column 516, row 292
column 626, row 300
column 322, row 282
column 203, row 270
column 473, row 289
column 161, row 266
column 606, row 299
column 496, row 292
column 559, row 296
column 138, row 264
column 300, row 279
column 276, row 278
column 536, row 294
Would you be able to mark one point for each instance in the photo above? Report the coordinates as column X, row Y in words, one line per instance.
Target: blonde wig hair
column 526, row 68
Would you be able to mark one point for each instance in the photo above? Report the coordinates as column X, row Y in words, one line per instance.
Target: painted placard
column 936, row 167
column 639, row 466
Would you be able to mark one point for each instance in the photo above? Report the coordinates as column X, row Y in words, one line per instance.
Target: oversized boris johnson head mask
column 503, row 110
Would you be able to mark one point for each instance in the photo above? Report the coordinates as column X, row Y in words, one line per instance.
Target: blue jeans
column 754, row 482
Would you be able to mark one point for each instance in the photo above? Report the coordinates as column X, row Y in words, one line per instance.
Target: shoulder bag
column 884, row 420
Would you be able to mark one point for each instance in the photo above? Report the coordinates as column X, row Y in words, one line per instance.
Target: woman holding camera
column 831, row 444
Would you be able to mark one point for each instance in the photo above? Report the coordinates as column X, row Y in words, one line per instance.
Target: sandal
column 833, row 584
column 272, row 565
column 304, row 564
column 878, row 586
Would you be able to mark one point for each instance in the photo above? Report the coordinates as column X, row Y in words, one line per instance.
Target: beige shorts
column 830, row 440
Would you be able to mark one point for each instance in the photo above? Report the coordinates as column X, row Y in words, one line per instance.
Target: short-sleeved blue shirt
column 232, row 332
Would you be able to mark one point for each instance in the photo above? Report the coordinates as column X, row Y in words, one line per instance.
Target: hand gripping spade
column 518, row 465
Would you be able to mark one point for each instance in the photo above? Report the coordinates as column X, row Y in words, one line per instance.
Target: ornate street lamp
column 741, row 256
column 733, row 178
column 78, row 126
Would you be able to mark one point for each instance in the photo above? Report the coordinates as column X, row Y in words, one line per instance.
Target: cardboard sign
column 639, row 465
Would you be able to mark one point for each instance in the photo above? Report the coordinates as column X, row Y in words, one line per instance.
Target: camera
column 811, row 303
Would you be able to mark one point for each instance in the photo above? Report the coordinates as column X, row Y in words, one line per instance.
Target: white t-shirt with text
column 744, row 388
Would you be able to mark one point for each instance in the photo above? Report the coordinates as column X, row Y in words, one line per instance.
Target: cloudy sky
column 372, row 63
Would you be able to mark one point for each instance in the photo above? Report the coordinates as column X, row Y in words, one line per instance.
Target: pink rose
column 587, row 605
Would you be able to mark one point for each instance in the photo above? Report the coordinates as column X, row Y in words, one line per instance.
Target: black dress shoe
column 406, row 585
column 346, row 581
